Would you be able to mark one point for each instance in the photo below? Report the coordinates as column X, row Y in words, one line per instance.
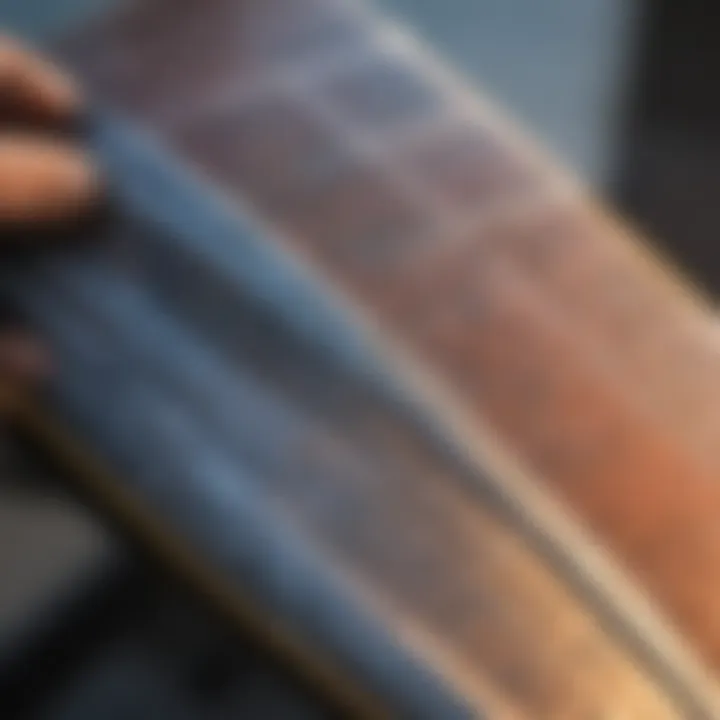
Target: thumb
column 44, row 181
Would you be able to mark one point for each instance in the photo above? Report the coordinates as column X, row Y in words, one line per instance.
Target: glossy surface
column 536, row 313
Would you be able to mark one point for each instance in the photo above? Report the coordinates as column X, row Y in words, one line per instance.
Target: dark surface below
column 132, row 646
column 669, row 178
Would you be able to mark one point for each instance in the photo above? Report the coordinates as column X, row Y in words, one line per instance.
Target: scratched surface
column 536, row 312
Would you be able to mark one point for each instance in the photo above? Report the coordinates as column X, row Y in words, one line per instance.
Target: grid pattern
column 537, row 311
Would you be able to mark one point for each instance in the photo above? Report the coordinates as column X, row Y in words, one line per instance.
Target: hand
column 44, row 180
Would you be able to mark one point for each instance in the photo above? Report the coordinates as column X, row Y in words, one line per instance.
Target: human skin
column 46, row 179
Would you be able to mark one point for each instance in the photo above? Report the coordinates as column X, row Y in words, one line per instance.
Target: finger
column 44, row 181
column 22, row 357
column 29, row 84
column 23, row 365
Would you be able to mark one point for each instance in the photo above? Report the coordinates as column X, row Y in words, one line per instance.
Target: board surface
column 448, row 260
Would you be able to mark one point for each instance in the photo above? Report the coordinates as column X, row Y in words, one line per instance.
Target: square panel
column 365, row 230
column 467, row 167
column 384, row 94
column 273, row 152
column 164, row 60
column 285, row 30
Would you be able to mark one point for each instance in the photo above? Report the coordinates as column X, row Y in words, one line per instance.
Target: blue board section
column 149, row 326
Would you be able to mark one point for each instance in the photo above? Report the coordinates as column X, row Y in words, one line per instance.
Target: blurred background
column 621, row 90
